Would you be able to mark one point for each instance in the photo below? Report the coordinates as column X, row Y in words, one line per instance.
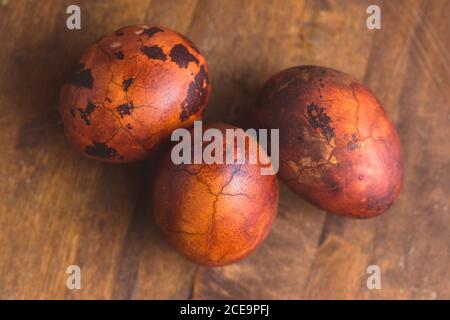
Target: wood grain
column 58, row 208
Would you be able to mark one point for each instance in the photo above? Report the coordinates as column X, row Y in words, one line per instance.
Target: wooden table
column 58, row 208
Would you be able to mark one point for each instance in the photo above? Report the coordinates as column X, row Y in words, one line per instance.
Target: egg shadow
column 142, row 230
column 234, row 101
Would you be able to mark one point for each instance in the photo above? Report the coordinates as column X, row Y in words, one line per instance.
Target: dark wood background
column 58, row 208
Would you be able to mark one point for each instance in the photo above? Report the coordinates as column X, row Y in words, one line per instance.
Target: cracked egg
column 130, row 90
column 214, row 214
column 338, row 148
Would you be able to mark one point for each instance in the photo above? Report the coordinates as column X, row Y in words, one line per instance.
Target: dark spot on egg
column 154, row 52
column 99, row 149
column 181, row 56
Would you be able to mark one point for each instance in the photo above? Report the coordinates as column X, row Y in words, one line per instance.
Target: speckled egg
column 130, row 90
column 338, row 149
column 214, row 214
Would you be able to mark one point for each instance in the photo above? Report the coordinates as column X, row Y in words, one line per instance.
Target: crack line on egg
column 211, row 227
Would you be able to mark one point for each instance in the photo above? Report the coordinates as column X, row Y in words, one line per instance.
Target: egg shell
column 130, row 90
column 338, row 149
column 214, row 214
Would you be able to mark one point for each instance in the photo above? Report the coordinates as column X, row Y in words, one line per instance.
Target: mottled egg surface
column 338, row 149
column 130, row 90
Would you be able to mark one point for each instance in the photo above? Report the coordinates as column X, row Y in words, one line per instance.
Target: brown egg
column 214, row 214
column 338, row 148
column 130, row 90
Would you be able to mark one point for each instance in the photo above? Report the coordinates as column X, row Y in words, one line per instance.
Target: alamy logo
column 73, row 21
column 240, row 147
column 374, row 20
column 74, row 279
column 374, row 280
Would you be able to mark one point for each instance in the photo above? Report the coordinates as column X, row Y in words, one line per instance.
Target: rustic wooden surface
column 58, row 208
